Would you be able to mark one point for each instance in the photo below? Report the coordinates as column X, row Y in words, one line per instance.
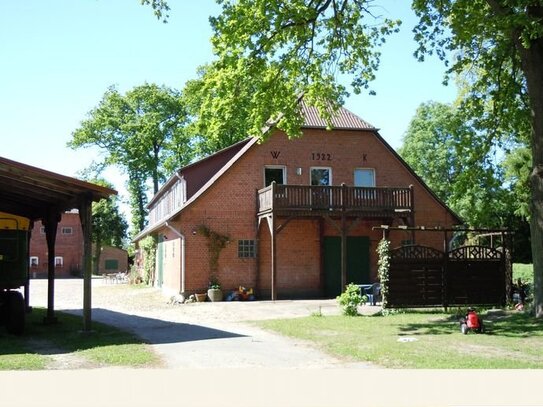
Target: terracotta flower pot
column 201, row 297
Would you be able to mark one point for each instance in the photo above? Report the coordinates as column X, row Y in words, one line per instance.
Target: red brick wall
column 67, row 246
column 229, row 208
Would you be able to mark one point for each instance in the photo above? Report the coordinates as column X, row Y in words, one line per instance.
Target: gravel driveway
column 198, row 335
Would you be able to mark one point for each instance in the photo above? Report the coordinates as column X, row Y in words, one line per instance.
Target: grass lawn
column 63, row 345
column 422, row 339
column 523, row 271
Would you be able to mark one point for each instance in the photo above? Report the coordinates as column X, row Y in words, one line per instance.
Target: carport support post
column 51, row 224
column 85, row 215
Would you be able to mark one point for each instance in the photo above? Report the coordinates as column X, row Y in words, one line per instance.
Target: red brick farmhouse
column 285, row 207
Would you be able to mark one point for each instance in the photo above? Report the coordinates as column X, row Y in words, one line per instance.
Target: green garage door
column 358, row 262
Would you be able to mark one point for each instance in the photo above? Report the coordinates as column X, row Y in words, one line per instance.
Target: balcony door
column 365, row 178
column 321, row 177
column 274, row 173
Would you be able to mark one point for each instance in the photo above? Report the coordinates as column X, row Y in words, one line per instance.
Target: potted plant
column 214, row 291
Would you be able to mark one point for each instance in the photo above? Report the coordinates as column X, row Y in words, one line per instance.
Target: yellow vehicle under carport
column 14, row 239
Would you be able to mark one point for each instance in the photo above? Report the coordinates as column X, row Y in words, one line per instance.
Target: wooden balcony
column 304, row 200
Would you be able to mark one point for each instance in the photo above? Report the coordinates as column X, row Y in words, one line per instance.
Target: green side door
column 358, row 262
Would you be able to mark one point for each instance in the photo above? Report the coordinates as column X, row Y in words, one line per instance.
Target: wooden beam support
column 285, row 223
column 343, row 253
column 332, row 223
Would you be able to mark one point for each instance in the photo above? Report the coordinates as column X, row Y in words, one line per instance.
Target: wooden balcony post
column 343, row 196
column 412, row 212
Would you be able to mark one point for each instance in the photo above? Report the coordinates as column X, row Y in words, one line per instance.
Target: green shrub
column 351, row 299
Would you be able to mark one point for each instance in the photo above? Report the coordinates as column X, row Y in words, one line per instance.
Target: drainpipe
column 182, row 255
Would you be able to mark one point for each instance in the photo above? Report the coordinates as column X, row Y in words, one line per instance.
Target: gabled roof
column 240, row 150
column 30, row 191
column 225, row 155
column 344, row 119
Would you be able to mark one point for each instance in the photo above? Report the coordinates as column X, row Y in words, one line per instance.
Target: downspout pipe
column 182, row 237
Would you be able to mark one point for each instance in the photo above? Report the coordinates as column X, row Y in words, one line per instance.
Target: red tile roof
column 344, row 119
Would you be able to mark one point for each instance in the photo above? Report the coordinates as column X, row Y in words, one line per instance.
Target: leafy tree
column 502, row 42
column 429, row 146
column 108, row 224
column 270, row 53
column 219, row 127
column 160, row 8
column 143, row 133
column 517, row 165
column 457, row 163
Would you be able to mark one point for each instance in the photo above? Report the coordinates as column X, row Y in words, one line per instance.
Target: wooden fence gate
column 421, row 276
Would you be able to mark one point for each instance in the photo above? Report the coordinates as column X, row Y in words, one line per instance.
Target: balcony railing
column 168, row 203
column 303, row 198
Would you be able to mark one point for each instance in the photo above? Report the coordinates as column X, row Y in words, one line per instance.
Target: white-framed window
column 67, row 230
column 42, row 230
column 320, row 176
column 34, row 261
column 364, row 177
column 277, row 173
column 59, row 261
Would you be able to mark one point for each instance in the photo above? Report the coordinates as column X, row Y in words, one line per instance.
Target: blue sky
column 58, row 57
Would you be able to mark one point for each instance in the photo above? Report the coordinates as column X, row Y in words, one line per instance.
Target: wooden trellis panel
column 416, row 277
column 475, row 275
column 423, row 277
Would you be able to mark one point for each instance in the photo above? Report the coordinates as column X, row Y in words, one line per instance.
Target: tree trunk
column 96, row 257
column 138, row 201
column 532, row 63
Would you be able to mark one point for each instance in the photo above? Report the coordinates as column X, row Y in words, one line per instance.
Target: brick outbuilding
column 297, row 214
column 69, row 250
column 69, row 247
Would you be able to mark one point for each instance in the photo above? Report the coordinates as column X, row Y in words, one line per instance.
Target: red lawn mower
column 471, row 322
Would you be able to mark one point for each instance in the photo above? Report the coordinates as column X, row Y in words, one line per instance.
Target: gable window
column 59, row 261
column 246, row 248
column 274, row 173
column 321, row 176
column 67, row 231
column 364, row 177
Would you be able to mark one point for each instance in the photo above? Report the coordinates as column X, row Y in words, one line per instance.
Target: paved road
column 199, row 335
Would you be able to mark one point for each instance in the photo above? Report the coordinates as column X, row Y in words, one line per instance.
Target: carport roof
column 33, row 192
